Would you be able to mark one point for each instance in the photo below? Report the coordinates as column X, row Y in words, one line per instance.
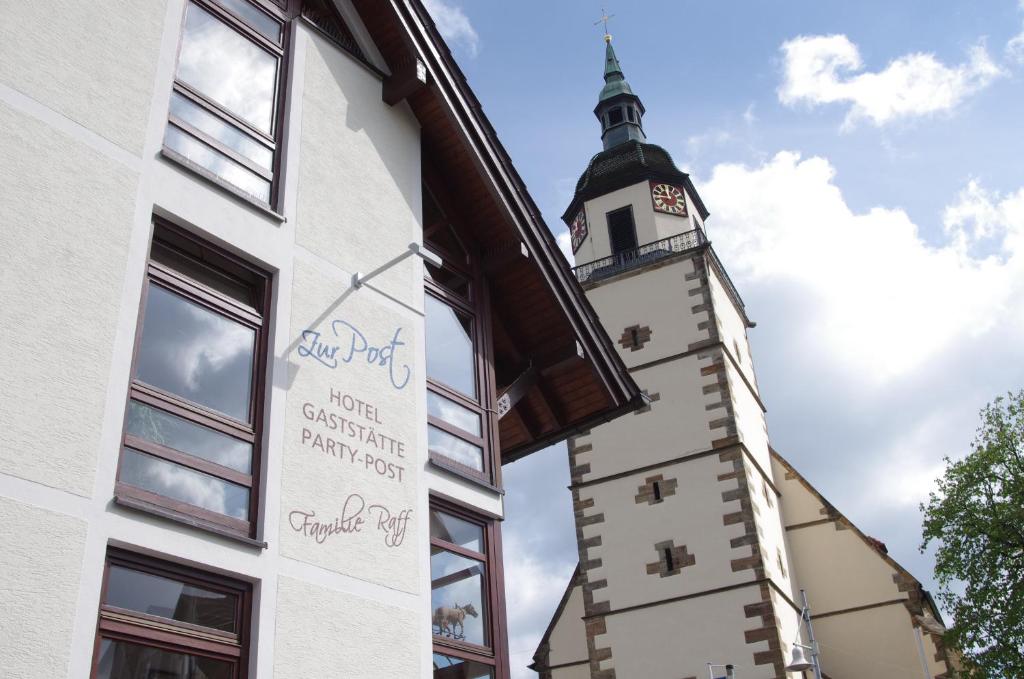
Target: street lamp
column 799, row 661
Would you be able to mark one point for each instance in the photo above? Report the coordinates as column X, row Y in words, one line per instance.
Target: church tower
column 683, row 556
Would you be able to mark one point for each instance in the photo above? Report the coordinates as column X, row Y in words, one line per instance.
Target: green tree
column 976, row 517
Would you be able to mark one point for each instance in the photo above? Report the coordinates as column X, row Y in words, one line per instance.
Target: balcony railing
column 643, row 255
column 651, row 252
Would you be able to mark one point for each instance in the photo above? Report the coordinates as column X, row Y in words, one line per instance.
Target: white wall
column 82, row 117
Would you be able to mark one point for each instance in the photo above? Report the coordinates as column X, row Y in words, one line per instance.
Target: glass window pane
column 125, row 660
column 167, row 598
column 269, row 27
column 186, row 485
column 448, row 279
column 228, row 68
column 448, row 667
column 217, row 163
column 457, row 597
column 456, row 531
column 172, row 431
column 198, row 354
column 463, row 452
column 225, row 133
column 454, row 414
column 449, row 340
column 210, row 274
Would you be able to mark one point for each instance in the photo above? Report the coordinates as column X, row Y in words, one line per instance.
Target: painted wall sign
column 353, row 433
column 347, row 343
column 355, row 517
column 348, row 430
column 353, row 425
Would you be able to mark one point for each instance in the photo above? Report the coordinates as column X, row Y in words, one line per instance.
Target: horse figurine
column 449, row 619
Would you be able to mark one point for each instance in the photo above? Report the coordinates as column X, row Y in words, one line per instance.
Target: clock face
column 578, row 230
column 668, row 198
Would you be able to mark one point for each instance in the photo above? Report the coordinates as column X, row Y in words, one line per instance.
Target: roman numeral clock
column 668, row 199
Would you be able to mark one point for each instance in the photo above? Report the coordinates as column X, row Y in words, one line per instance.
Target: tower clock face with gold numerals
column 668, row 199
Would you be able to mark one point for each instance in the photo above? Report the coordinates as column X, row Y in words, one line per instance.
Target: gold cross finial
column 605, row 17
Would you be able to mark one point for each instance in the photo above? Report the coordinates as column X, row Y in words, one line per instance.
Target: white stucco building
column 220, row 456
column 695, row 537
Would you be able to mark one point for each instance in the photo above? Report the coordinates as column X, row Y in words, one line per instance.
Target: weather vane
column 605, row 17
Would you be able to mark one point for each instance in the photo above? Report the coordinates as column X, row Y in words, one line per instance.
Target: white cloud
column 825, row 69
column 749, row 117
column 1015, row 47
column 454, row 25
column 881, row 297
column 533, row 587
column 565, row 245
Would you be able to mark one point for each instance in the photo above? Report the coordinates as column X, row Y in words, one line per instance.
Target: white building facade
column 222, row 455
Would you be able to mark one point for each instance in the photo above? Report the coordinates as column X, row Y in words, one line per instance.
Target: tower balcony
column 644, row 255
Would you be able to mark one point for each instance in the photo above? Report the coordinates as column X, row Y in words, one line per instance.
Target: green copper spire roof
column 614, row 81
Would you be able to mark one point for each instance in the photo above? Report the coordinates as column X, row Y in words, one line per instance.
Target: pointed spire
column 619, row 110
column 614, row 79
column 611, row 62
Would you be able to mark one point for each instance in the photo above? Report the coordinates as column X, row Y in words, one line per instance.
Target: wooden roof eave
column 504, row 185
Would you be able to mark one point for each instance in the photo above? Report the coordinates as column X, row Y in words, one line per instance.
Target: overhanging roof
column 541, row 318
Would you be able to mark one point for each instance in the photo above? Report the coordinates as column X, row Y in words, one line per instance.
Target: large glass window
column 224, row 108
column 459, row 423
column 162, row 620
column 464, row 585
column 192, row 424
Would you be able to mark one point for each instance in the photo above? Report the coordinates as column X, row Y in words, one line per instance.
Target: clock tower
column 683, row 556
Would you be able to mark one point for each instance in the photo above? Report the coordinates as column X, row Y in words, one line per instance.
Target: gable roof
column 919, row 600
column 541, row 318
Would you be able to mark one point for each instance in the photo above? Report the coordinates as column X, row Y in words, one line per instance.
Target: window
column 192, row 426
column 615, row 116
column 629, row 114
column 459, row 395
column 224, row 112
column 465, row 582
column 621, row 232
column 159, row 620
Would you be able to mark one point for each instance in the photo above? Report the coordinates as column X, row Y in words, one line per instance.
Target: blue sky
column 862, row 165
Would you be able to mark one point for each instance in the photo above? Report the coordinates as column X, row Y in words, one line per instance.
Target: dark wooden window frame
column 475, row 305
column 496, row 655
column 252, row 432
column 283, row 11
column 119, row 624
column 611, row 238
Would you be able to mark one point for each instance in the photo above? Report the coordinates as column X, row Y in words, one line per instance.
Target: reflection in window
column 460, row 583
column 159, row 620
column 440, row 442
column 451, row 412
column 449, row 342
column 219, row 164
column 444, row 526
column 195, row 353
column 166, row 598
column 191, row 432
column 180, row 483
column 219, row 62
column 448, row 667
column 457, row 597
column 224, row 105
column 180, row 434
column 125, row 660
